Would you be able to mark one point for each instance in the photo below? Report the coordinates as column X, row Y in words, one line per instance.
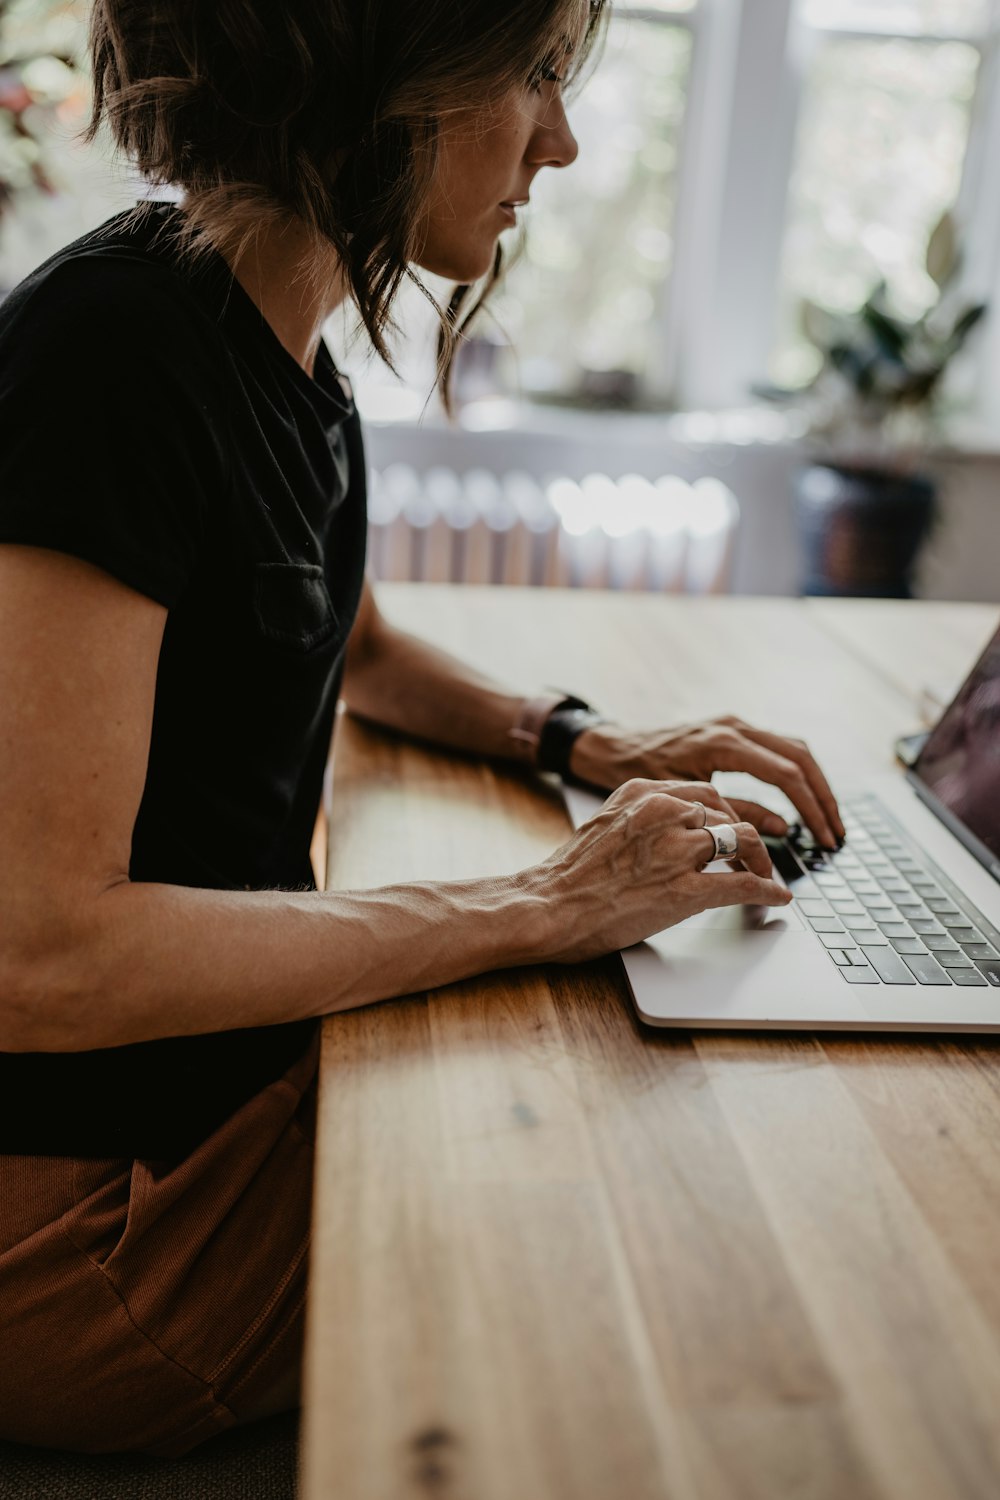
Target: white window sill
column 759, row 426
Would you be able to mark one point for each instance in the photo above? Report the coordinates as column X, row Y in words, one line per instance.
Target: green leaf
column 966, row 323
column 820, row 326
column 892, row 337
column 857, row 366
column 942, row 250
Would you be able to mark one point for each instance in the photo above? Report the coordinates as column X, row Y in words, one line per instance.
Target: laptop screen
column 960, row 763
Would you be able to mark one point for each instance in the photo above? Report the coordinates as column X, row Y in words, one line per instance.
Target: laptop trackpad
column 735, row 921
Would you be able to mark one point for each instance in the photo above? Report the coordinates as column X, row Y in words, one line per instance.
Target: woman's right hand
column 637, row 867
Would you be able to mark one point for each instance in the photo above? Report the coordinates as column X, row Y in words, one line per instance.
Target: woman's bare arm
column 400, row 681
column 89, row 959
column 396, row 679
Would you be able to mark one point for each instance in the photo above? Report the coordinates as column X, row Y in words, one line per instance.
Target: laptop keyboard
column 884, row 912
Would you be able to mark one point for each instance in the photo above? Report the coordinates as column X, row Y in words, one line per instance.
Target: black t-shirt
column 152, row 423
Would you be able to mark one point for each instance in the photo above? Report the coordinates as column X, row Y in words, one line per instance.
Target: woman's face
column 487, row 162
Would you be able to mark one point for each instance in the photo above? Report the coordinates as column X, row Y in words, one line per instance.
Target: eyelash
column 546, row 73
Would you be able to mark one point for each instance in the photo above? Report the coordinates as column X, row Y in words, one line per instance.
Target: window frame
column 719, row 317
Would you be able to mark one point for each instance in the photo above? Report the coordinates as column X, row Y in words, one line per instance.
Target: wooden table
column 561, row 1257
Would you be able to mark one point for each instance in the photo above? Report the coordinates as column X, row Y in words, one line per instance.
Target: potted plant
column 866, row 502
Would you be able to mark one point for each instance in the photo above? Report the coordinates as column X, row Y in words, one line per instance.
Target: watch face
column 572, row 720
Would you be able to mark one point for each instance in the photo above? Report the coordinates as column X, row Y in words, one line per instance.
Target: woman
column 182, row 599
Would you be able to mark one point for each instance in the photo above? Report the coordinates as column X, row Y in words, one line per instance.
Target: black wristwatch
column 564, row 725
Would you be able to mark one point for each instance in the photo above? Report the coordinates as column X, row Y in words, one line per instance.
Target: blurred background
column 749, row 342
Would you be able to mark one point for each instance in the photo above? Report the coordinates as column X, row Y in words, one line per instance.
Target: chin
column 462, row 263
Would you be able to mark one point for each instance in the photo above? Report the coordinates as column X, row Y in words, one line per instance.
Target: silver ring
column 726, row 840
column 704, row 814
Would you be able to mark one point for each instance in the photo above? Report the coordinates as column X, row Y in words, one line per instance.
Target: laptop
column 899, row 930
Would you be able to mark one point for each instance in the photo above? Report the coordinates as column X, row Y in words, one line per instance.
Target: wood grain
column 880, row 633
column 560, row 1257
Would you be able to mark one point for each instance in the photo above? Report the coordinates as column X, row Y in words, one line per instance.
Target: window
column 592, row 278
column 736, row 157
column 580, row 309
column 884, row 125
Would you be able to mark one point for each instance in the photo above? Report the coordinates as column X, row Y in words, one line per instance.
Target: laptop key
column 927, row 969
column 843, row 959
column 887, row 964
column 967, row 977
column 825, row 924
column 836, row 939
column 866, row 934
column 908, row 945
column 980, row 950
column 811, row 906
column 859, row 974
column 915, row 892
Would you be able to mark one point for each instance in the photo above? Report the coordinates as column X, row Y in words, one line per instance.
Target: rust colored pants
column 146, row 1306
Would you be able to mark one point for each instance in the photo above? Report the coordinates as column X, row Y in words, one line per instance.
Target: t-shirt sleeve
column 113, row 438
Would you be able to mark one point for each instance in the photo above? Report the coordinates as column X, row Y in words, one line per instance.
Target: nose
column 552, row 143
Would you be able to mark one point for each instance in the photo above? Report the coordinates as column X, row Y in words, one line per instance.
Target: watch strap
column 525, row 735
column 560, row 731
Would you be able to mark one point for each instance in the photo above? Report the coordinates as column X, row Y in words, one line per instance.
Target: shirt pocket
column 292, row 605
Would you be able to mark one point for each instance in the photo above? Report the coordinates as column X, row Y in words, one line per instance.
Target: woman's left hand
column 609, row 755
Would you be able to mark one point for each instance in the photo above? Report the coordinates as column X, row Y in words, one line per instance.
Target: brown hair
column 326, row 109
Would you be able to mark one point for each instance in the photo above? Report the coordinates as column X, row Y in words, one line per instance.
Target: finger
column 749, row 849
column 705, row 793
column 740, row 753
column 795, row 751
column 738, row 888
column 764, row 819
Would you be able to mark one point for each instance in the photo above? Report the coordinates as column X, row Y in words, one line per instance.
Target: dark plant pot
column 861, row 530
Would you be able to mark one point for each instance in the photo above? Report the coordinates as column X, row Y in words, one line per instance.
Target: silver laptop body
column 866, row 945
